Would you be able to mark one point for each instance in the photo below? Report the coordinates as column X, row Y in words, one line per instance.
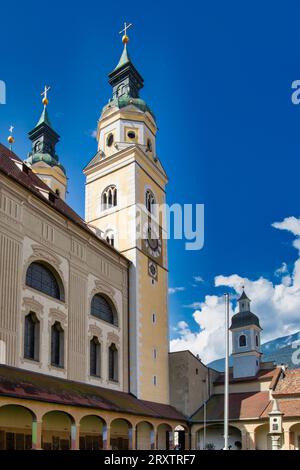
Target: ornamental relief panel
column 48, row 232
column 47, row 255
column 32, row 305
column 112, row 338
column 10, row 207
column 94, row 330
column 55, row 314
column 101, row 288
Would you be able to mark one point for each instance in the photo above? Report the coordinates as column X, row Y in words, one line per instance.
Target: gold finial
column 11, row 138
column 125, row 38
column 45, row 100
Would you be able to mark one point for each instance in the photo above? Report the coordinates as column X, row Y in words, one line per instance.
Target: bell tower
column 125, row 194
column 245, row 330
column 43, row 158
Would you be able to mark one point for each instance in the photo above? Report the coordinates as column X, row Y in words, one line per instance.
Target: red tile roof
column 32, row 182
column 262, row 375
column 289, row 408
column 289, row 384
column 20, row 383
column 249, row 405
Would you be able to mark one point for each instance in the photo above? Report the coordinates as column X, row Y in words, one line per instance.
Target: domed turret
column 43, row 158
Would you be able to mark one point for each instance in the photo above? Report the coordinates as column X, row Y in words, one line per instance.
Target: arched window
column 242, row 341
column 150, row 201
column 41, row 278
column 109, row 198
column 31, row 337
column 103, row 308
column 110, row 237
column 95, row 357
column 256, row 341
column 38, row 146
column 113, row 363
column 57, row 345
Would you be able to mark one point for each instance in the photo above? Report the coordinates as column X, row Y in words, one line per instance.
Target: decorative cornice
column 31, row 304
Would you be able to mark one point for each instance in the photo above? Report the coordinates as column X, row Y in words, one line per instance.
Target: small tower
column 275, row 422
column 245, row 330
column 43, row 158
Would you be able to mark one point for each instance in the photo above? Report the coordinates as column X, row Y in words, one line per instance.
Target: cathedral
column 84, row 318
column 84, row 347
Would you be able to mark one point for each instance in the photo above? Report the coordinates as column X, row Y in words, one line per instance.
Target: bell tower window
column 109, row 198
column 150, row 201
column 149, row 145
column 242, row 341
column 109, row 140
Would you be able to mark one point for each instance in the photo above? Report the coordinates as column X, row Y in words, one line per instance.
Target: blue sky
column 218, row 77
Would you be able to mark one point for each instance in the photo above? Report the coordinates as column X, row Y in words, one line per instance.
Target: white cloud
column 94, row 133
column 198, row 279
column 173, row 290
column 282, row 270
column 194, row 305
column 291, row 224
column 209, row 340
column 276, row 304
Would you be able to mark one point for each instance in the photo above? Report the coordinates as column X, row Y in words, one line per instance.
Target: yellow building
column 125, row 188
column 83, row 303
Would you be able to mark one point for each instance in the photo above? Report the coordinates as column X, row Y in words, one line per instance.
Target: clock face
column 152, row 241
column 152, row 267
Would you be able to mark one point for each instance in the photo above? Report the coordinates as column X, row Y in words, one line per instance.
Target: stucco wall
column 31, row 231
column 190, row 382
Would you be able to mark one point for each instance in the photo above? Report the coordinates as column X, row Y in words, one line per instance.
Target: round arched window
column 131, row 134
column 103, row 309
column 110, row 140
column 41, row 278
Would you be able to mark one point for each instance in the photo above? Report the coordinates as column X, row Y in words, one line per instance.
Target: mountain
column 277, row 350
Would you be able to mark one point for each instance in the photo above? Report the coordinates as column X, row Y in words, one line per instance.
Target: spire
column 244, row 317
column 44, row 118
column 275, row 407
column 124, row 59
column 44, row 138
column 244, row 296
column 125, row 79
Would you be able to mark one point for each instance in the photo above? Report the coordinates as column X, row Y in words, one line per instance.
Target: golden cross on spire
column 125, row 38
column 11, row 129
column 45, row 100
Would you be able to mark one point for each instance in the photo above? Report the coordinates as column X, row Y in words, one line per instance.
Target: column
column 194, row 440
column 75, row 432
column 153, row 439
column 251, row 440
column 106, row 437
column 187, row 440
column 132, row 438
column 245, row 440
column 171, row 440
column 276, row 441
column 36, row 435
column 286, row 439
